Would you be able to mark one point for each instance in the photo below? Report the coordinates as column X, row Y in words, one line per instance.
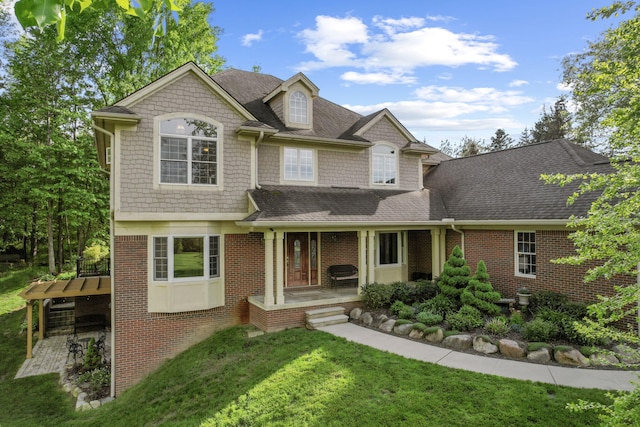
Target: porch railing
column 92, row 267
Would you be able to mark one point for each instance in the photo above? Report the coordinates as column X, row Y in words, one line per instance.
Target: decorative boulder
column 403, row 329
column 355, row 313
column 388, row 325
column 416, row 333
column 484, row 345
column 604, row 359
column 436, row 336
column 379, row 319
column 511, row 348
column 541, row 355
column 367, row 319
column 570, row 357
column 626, row 354
column 458, row 342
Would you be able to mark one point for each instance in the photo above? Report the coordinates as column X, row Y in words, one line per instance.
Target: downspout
column 453, row 227
column 111, row 250
column 258, row 141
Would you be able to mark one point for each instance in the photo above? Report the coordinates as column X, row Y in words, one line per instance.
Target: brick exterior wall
column 341, row 250
column 143, row 340
column 419, row 252
column 272, row 321
column 496, row 249
column 95, row 304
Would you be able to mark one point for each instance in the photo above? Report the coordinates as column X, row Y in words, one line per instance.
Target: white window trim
column 170, row 259
column 516, row 260
column 107, row 155
column 156, row 154
column 395, row 149
column 400, row 250
column 284, row 180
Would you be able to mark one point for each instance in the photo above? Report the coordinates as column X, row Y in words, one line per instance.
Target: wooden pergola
column 39, row 291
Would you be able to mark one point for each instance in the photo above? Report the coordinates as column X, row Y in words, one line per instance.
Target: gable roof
column 333, row 205
column 505, row 185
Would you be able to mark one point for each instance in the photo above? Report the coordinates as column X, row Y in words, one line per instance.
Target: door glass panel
column 296, row 254
column 314, row 259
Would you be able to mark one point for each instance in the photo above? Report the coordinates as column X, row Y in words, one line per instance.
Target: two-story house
column 232, row 194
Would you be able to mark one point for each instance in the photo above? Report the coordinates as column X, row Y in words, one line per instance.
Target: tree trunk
column 33, row 238
column 60, row 236
column 50, row 247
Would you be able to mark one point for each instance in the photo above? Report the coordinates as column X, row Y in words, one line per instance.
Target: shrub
column 406, row 312
column 570, row 332
column 539, row 330
column 97, row 378
column 402, row 291
column 92, row 358
column 534, row 346
column 401, row 322
column 547, row 299
column 588, row 350
column 429, row 318
column 455, row 275
column 420, row 326
column 479, row 292
column 577, row 310
column 396, row 307
column 425, row 289
column 497, row 326
column 451, row 332
column 516, row 319
column 431, row 330
column 465, row 319
column 440, row 304
column 376, row 295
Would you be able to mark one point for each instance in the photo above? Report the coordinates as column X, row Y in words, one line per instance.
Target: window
column 186, row 257
column 388, row 248
column 383, row 164
column 298, row 108
column 298, row 164
column 526, row 253
column 188, row 152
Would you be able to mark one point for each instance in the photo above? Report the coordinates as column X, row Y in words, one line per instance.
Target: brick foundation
column 277, row 320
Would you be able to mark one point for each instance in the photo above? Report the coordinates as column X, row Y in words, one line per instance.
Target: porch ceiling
column 79, row 287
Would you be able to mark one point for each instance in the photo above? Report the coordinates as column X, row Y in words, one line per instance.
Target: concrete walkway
column 551, row 374
column 50, row 355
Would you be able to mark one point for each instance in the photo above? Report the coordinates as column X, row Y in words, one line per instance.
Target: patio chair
column 74, row 347
column 100, row 343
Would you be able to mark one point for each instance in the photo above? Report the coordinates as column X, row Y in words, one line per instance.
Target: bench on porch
column 343, row 274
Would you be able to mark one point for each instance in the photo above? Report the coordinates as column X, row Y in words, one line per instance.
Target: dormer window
column 384, row 164
column 298, row 112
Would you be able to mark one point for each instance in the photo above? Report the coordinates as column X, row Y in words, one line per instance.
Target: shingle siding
column 343, row 169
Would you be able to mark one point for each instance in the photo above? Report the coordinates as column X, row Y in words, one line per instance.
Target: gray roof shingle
column 506, row 185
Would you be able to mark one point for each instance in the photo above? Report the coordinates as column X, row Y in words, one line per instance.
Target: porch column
column 371, row 263
column 279, row 267
column 435, row 252
column 29, row 328
column 268, row 268
column 41, row 319
column 443, row 248
column 362, row 259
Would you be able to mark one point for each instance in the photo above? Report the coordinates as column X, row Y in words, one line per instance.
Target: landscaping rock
column 366, row 318
column 603, row 359
column 626, row 354
column 435, row 337
column 458, row 342
column 355, row 313
column 483, row 345
column 511, row 348
column 403, row 329
column 388, row 325
column 570, row 357
column 416, row 333
column 541, row 355
column 95, row 404
column 379, row 319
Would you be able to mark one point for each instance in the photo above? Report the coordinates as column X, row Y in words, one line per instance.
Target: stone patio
column 51, row 355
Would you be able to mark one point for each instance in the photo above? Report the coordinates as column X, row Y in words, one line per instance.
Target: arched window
column 188, row 152
column 384, row 164
column 298, row 108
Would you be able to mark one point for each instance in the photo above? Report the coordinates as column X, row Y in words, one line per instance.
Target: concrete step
column 326, row 321
column 323, row 312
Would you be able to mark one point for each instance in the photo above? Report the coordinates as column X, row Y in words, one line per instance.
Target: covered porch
column 79, row 289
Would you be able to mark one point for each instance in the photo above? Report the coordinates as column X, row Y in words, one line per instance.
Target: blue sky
column 446, row 69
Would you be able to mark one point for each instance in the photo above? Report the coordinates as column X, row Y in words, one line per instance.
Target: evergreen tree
column 470, row 147
column 500, row 141
column 553, row 124
column 479, row 292
column 525, row 138
column 455, row 275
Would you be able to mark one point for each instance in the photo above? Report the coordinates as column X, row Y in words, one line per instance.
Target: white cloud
column 481, row 95
column 377, row 78
column 564, row 87
column 390, row 45
column 440, row 18
column 518, row 83
column 248, row 39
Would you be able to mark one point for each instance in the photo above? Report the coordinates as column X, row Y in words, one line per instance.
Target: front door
column 297, row 259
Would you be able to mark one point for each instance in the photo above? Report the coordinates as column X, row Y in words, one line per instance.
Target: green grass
column 295, row 377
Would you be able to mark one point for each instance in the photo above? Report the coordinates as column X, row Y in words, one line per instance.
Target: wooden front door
column 297, row 259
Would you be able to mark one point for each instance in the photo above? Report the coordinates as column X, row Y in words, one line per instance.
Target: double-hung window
column 189, row 257
column 298, row 164
column 189, row 152
column 383, row 165
column 388, row 248
column 525, row 252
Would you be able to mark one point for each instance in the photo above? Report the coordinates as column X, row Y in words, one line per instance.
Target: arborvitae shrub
column 455, row 275
column 479, row 292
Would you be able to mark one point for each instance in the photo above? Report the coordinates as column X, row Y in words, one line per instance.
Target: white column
column 362, row 259
column 268, row 268
column 435, row 252
column 443, row 248
column 371, row 262
column 279, row 267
